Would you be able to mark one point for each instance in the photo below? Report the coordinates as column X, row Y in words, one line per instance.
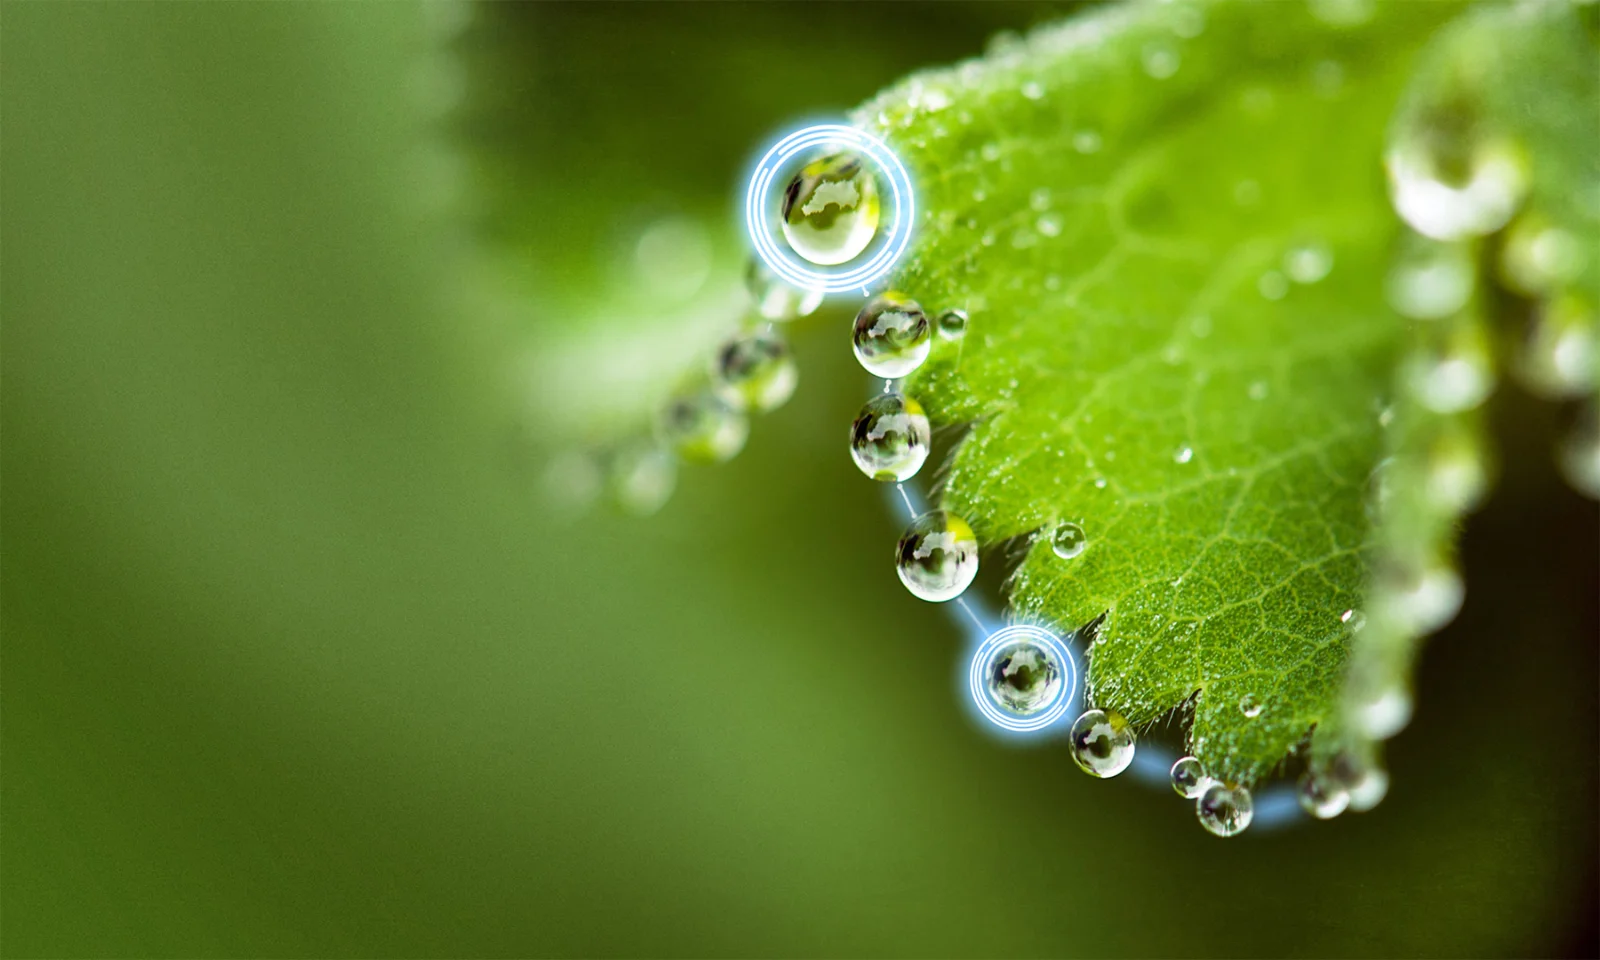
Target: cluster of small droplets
column 1223, row 808
column 1460, row 182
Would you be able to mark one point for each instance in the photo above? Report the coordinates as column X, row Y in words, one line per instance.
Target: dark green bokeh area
column 295, row 664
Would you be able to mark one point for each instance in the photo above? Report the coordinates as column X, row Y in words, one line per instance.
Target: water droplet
column 1380, row 490
column 1086, row 141
column 1100, row 483
column 1039, row 199
column 1365, row 781
column 1068, row 540
column 892, row 336
column 1225, row 809
column 1023, row 678
column 1343, row 13
column 1454, row 377
column 1189, row 778
column 1250, row 706
column 776, row 298
column 1273, row 285
column 1032, row 90
column 889, row 440
column 1322, row 797
column 1579, row 454
column 1183, row 455
column 1430, row 280
column 830, row 209
column 1353, row 619
column 937, row 556
column 755, row 371
column 990, row 151
column 1450, row 188
column 1049, row 225
column 1425, row 598
column 704, row 427
column 1160, row 59
column 1560, row 358
column 642, row 478
column 953, row 324
column 1384, row 711
column 1188, row 22
column 1200, row 326
column 1308, row 262
column 1102, row 743
column 1457, row 476
column 1258, row 390
column 1536, row 258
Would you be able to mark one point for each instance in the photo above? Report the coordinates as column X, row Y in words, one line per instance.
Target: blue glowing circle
column 799, row 272
column 1052, row 711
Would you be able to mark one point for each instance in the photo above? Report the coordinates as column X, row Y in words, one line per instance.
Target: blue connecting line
column 1275, row 806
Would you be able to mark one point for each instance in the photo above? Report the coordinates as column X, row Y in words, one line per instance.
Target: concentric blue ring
column 799, row 272
column 1053, row 710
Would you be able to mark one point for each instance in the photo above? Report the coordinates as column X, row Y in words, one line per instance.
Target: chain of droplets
column 1460, row 180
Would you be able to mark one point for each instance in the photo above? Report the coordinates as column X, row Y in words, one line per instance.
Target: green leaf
column 1135, row 207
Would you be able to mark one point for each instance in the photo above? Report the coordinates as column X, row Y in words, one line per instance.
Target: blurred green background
column 297, row 661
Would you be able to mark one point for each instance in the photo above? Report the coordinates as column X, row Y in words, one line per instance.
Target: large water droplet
column 755, row 372
column 1102, row 743
column 1449, row 185
column 1068, row 540
column 1384, row 711
column 1023, row 678
column 1362, row 777
column 1225, row 809
column 1430, row 280
column 953, row 324
column 703, row 426
column 1189, row 777
column 892, row 336
column 1322, row 797
column 830, row 209
column 1425, row 598
column 642, row 477
column 937, row 556
column 889, row 440
column 776, row 298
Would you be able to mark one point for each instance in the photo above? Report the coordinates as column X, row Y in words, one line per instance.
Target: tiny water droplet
column 1353, row 619
column 775, row 298
column 1250, row 706
column 1451, row 187
column 1086, row 141
column 1023, row 678
column 1189, row 778
column 953, row 324
column 1273, row 285
column 1033, row 90
column 1247, row 193
column 937, row 556
column 990, row 151
column 1308, row 262
column 1188, row 22
column 892, row 335
column 1225, row 809
column 889, row 439
column 830, row 209
column 704, row 427
column 642, row 477
column 1039, row 199
column 1322, row 797
column 1049, row 224
column 1068, row 540
column 1430, row 280
column 1200, row 326
column 755, row 371
column 1100, row 483
column 1160, row 59
column 1183, row 455
column 1102, row 743
column 1258, row 390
